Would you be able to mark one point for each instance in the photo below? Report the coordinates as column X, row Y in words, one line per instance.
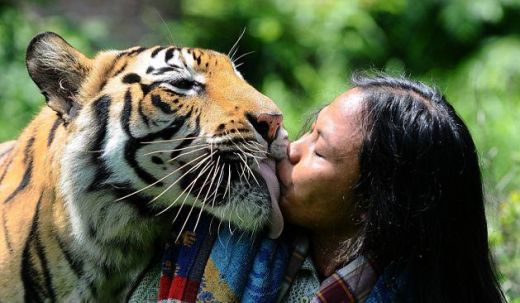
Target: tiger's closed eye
column 184, row 83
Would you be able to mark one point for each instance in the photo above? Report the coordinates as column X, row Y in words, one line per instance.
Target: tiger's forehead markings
column 135, row 51
column 157, row 50
column 173, row 62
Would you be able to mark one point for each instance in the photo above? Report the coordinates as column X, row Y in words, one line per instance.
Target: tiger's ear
column 59, row 70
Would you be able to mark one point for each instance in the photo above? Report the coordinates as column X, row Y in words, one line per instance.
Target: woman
column 388, row 187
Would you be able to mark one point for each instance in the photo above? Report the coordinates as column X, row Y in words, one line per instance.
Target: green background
column 304, row 53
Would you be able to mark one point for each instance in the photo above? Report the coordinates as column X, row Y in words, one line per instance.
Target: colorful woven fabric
column 184, row 262
column 212, row 265
column 243, row 269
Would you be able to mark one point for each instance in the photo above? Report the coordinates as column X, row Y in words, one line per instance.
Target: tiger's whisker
column 229, row 225
column 255, row 157
column 193, row 182
column 193, row 205
column 239, row 218
column 201, row 210
column 236, row 145
column 253, row 175
column 254, row 148
column 218, row 232
column 242, row 175
column 176, row 181
column 249, row 154
column 248, row 143
column 252, row 155
column 228, row 186
column 171, row 185
column 219, row 182
column 242, row 56
column 256, row 143
column 165, row 25
column 242, row 136
column 245, row 166
column 213, row 196
column 161, row 179
column 209, row 189
column 192, row 185
column 173, row 150
column 236, row 44
column 215, row 172
column 186, row 153
column 234, row 53
column 175, row 140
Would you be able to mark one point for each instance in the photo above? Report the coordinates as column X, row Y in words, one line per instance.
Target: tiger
column 126, row 139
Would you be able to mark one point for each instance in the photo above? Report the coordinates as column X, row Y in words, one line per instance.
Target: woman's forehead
column 345, row 108
column 339, row 121
column 349, row 102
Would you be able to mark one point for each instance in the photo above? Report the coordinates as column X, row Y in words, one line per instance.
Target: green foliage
column 304, row 52
column 20, row 97
column 504, row 238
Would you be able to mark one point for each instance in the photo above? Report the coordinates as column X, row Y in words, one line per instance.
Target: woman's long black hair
column 420, row 192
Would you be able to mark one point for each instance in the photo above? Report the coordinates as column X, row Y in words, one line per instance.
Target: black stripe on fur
column 6, row 231
column 141, row 112
column 169, row 54
column 37, row 285
column 133, row 144
column 163, row 106
column 138, row 201
column 101, row 110
column 7, row 165
column 28, row 161
column 156, row 51
column 53, row 129
column 75, row 264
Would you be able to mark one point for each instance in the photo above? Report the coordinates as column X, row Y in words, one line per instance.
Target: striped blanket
column 213, row 264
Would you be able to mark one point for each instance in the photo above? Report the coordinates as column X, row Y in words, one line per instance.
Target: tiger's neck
column 104, row 234
column 30, row 167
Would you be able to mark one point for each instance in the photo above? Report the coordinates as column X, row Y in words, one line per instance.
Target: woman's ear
column 59, row 70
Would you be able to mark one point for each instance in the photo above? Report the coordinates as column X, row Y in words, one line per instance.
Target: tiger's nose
column 266, row 125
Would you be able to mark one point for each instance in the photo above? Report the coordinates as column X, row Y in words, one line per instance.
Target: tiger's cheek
column 145, row 114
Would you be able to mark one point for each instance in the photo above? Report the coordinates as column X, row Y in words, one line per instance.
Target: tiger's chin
column 248, row 208
column 240, row 196
column 245, row 194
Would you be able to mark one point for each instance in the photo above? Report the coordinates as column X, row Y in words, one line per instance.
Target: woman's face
column 321, row 168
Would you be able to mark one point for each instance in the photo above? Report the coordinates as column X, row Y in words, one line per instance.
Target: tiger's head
column 160, row 128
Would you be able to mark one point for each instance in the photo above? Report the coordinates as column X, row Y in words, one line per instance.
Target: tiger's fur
column 72, row 229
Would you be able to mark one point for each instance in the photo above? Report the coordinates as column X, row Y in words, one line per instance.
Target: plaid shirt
column 349, row 284
column 300, row 250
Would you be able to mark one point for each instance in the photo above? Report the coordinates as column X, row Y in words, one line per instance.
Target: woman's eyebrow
column 323, row 135
column 326, row 129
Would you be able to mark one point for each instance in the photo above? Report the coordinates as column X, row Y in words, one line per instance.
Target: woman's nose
column 293, row 152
